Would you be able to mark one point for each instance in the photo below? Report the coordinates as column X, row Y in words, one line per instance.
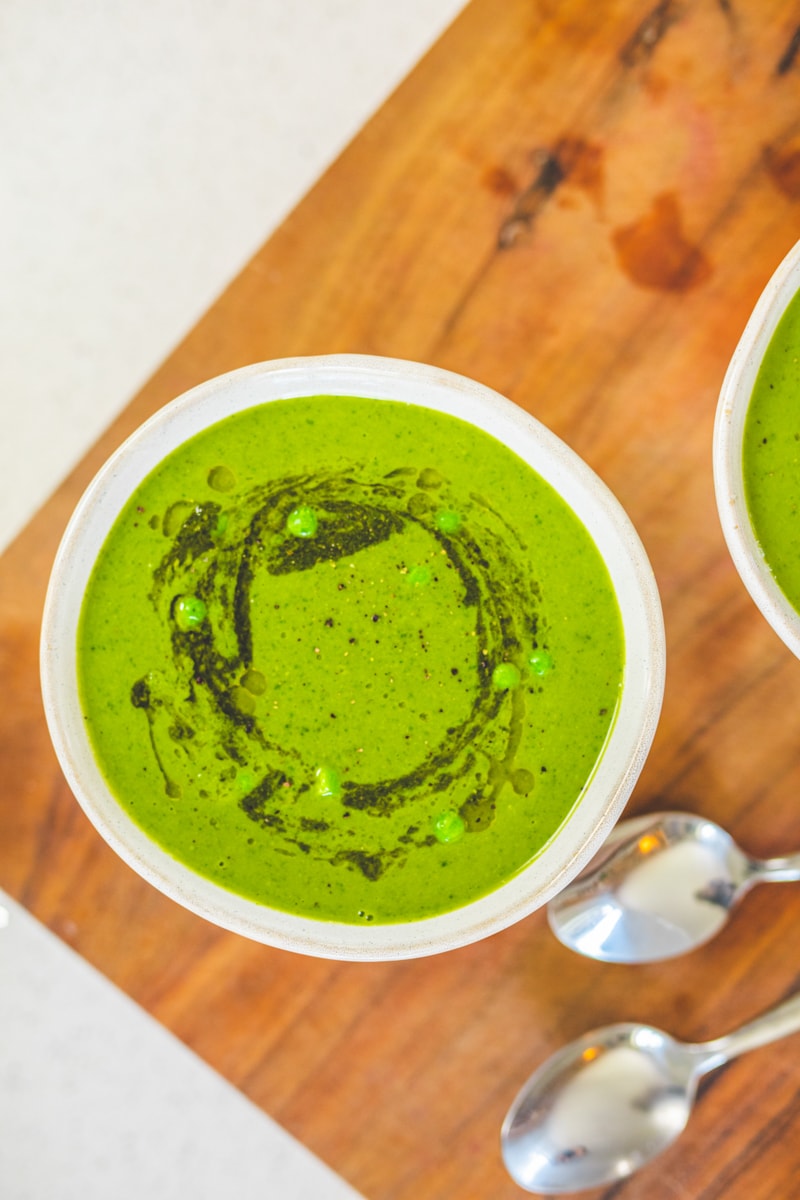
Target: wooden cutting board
column 577, row 204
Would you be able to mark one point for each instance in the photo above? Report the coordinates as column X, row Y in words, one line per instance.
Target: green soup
column 349, row 658
column 771, row 454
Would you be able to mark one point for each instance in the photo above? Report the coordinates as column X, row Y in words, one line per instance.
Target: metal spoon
column 661, row 885
column 605, row 1105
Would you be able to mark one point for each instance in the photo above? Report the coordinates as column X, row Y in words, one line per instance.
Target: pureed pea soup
column 771, row 454
column 349, row 658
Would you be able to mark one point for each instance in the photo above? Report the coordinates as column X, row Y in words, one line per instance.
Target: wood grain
column 577, row 205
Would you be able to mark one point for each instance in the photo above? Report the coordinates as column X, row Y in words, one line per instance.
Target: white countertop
column 147, row 150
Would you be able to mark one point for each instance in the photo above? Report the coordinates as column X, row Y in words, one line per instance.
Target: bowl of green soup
column 757, row 453
column 351, row 656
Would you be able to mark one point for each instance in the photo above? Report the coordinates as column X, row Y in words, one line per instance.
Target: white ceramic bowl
column 734, row 400
column 637, row 595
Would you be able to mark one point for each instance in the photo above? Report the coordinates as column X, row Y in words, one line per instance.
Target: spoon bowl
column 629, row 1081
column 607, row 1104
column 661, row 886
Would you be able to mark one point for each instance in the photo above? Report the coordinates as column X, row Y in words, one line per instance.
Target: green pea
column 540, row 662
column 505, row 676
column 328, row 782
column 188, row 612
column 448, row 827
column 302, row 521
column 448, row 521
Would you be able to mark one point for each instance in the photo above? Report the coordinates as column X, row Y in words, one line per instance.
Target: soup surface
column 350, row 658
column 771, row 454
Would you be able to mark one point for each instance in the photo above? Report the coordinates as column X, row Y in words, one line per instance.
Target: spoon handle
column 779, row 870
column 777, row 1023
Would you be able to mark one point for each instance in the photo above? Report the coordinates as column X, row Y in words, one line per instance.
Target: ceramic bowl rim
column 629, row 741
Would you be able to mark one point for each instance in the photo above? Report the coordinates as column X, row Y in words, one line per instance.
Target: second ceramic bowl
column 729, row 429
